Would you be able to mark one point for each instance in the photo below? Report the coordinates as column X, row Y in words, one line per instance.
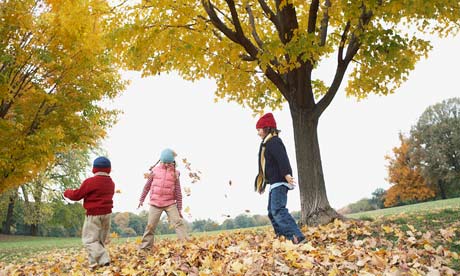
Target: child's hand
column 290, row 179
column 180, row 214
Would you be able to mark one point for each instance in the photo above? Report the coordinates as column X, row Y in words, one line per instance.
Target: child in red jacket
column 97, row 194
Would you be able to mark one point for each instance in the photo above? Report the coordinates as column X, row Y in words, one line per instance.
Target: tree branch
column 343, row 63
column 342, row 42
column 239, row 38
column 354, row 44
column 324, row 24
column 312, row 15
column 270, row 14
column 253, row 25
column 235, row 19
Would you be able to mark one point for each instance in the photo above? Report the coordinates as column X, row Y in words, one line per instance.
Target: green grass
column 432, row 206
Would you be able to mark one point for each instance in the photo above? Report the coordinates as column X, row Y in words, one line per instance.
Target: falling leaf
column 247, row 211
column 118, row 191
column 230, row 182
column 187, row 210
column 187, row 191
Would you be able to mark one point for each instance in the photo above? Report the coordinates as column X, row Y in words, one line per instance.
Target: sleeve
column 77, row 194
column 178, row 193
column 146, row 189
column 278, row 151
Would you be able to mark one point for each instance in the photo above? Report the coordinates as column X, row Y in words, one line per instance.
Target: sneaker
column 106, row 264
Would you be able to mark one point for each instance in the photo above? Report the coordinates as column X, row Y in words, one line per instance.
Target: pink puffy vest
column 163, row 187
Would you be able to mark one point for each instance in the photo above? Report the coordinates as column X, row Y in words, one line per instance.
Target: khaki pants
column 154, row 217
column 94, row 235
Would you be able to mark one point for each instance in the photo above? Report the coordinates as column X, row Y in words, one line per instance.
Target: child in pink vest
column 165, row 195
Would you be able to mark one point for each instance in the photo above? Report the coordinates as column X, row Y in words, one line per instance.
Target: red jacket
column 97, row 192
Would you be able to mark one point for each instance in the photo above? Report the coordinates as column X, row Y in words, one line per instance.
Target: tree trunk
column 6, row 229
column 34, row 230
column 442, row 189
column 313, row 198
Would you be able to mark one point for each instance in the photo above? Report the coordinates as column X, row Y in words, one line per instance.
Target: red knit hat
column 266, row 121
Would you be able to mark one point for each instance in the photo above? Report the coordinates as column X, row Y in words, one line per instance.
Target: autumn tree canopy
column 55, row 66
column 408, row 184
column 436, row 146
column 263, row 53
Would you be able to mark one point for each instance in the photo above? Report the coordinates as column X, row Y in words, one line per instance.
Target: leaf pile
column 339, row 248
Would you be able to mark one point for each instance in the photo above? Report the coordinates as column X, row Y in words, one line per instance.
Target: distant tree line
column 66, row 220
column 426, row 166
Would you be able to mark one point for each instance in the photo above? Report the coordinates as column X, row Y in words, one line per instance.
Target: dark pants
column 283, row 223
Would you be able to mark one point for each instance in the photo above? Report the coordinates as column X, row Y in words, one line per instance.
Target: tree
column 405, row 176
column 263, row 53
column 7, row 203
column 436, row 139
column 361, row 205
column 48, row 186
column 55, row 67
column 378, row 198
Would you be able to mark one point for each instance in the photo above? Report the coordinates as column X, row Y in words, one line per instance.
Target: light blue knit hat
column 167, row 156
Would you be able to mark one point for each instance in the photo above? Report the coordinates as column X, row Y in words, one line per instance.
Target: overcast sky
column 221, row 141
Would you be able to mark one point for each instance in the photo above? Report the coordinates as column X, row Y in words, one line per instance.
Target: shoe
column 297, row 241
column 106, row 264
column 93, row 266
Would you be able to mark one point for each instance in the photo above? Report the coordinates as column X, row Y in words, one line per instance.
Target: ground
column 423, row 242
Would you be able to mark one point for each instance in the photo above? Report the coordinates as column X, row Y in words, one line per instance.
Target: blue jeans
column 283, row 223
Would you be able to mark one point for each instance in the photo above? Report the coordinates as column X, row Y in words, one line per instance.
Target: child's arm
column 178, row 194
column 146, row 190
column 77, row 194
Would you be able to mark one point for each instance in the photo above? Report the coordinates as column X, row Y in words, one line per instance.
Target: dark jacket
column 277, row 164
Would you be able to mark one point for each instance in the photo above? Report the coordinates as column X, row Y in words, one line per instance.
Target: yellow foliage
column 337, row 251
column 54, row 68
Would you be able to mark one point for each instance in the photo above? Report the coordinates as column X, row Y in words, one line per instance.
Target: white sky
column 220, row 139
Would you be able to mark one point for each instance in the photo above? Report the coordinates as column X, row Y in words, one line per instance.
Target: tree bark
column 34, row 230
column 6, row 229
column 442, row 189
column 313, row 198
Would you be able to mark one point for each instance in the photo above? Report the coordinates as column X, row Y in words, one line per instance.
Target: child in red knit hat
column 97, row 194
column 275, row 170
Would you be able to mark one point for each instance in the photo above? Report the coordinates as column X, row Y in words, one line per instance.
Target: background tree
column 378, row 198
column 263, row 53
column 408, row 184
column 436, row 146
column 54, row 68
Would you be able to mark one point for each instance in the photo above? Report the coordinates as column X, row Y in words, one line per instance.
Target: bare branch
column 215, row 20
column 247, row 58
column 342, row 64
column 253, row 25
column 270, row 14
column 324, row 24
column 342, row 42
column 354, row 44
column 312, row 15
column 235, row 19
